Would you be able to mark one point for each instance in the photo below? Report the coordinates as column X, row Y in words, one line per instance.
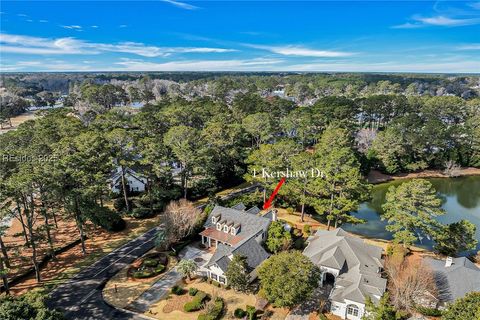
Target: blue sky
column 376, row 36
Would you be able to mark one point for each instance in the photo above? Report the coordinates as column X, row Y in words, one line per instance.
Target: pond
column 461, row 200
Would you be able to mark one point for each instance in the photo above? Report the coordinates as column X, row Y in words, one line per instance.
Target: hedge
column 143, row 274
column 429, row 312
column 150, row 263
column 196, row 303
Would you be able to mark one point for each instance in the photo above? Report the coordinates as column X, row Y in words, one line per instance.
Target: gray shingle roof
column 250, row 224
column 239, row 206
column 357, row 261
column 250, row 249
column 254, row 210
column 454, row 282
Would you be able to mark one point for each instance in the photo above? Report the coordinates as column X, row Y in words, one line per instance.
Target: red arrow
column 269, row 202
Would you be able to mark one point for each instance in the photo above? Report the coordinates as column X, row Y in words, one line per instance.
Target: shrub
column 141, row 213
column 119, row 204
column 251, row 311
column 214, row 311
column 177, row 290
column 159, row 269
column 192, row 291
column 297, row 232
column 429, row 312
column 239, row 313
column 307, row 229
column 299, row 244
column 196, row 303
column 150, row 263
column 321, row 316
column 142, row 274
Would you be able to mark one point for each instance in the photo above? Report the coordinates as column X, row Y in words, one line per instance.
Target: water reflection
column 461, row 200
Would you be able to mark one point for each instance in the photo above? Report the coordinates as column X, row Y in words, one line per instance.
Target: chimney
column 274, row 214
column 448, row 262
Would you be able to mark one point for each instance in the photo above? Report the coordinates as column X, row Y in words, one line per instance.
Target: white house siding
column 215, row 273
column 341, row 309
column 135, row 184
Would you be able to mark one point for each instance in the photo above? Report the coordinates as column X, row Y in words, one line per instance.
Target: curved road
column 81, row 297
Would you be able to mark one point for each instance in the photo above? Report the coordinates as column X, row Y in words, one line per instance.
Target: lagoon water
column 461, row 200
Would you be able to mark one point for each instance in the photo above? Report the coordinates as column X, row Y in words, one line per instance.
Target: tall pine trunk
column 30, row 213
column 80, row 226
column 3, row 274
column 6, row 259
column 22, row 222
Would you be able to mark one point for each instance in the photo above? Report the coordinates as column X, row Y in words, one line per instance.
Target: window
column 214, row 219
column 233, row 231
column 225, row 228
column 213, row 276
column 352, row 310
column 219, row 226
column 221, row 279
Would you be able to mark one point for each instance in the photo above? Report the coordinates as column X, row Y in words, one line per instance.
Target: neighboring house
column 235, row 231
column 454, row 278
column 351, row 267
column 135, row 181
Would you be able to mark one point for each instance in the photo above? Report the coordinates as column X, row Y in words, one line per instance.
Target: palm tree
column 187, row 268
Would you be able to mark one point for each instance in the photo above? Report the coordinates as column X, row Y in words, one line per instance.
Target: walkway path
column 162, row 287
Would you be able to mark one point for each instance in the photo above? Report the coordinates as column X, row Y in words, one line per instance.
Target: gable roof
column 250, row 249
column 358, row 264
column 454, row 282
column 250, row 224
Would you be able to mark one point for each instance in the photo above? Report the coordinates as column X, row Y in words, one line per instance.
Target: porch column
column 203, row 239
column 209, row 242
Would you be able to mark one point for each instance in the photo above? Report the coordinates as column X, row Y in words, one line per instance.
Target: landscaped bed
column 123, row 288
column 150, row 265
column 173, row 307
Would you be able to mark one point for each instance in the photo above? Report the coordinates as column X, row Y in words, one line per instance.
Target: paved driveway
column 162, row 287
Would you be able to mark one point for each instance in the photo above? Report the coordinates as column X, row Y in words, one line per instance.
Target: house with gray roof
column 351, row 267
column 235, row 231
column 454, row 278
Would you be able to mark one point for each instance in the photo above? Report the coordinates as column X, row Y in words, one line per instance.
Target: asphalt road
column 81, row 297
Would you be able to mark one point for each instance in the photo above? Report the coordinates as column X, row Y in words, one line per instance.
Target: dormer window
column 215, row 218
column 233, row 231
column 219, row 226
column 225, row 228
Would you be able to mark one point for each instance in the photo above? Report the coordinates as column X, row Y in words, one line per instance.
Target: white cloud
column 459, row 66
column 302, row 51
column 474, row 5
column 438, row 21
column 95, row 27
column 199, row 65
column 473, row 46
column 122, row 26
column 446, row 21
column 74, row 27
column 408, row 25
column 34, row 45
column 43, row 21
column 182, row 5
